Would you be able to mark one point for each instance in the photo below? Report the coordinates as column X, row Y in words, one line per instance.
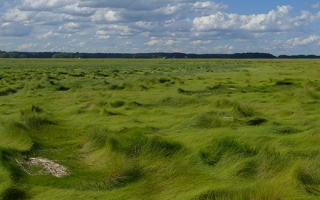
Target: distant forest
column 4, row 54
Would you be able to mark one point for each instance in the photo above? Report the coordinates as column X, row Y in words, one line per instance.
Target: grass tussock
column 97, row 139
column 240, row 111
column 117, row 104
column 308, row 177
column 224, row 103
column 207, row 120
column 284, row 130
column 133, row 143
column 109, row 113
column 35, row 118
column 284, row 82
column 256, row 121
column 164, row 80
column 177, row 101
column 15, row 193
column 14, row 137
column 225, row 194
column 8, row 91
column 62, row 88
column 117, row 87
column 225, row 147
column 36, row 121
column 119, row 173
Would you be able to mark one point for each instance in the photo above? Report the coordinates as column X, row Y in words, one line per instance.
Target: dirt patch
column 43, row 166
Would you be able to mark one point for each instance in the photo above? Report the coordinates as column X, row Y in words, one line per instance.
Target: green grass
column 161, row 129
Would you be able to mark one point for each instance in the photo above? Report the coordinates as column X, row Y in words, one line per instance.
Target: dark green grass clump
column 117, row 177
column 284, row 82
column 7, row 91
column 63, row 88
column 14, row 193
column 141, row 145
column 285, row 130
column 164, row 80
column 34, row 118
column 225, row 147
column 224, row 194
column 132, row 142
column 308, row 177
column 256, row 121
column 243, row 110
column 117, row 87
column 224, row 103
column 117, row 104
column 207, row 120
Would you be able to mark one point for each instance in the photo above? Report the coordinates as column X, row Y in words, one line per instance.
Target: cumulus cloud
column 316, row 5
column 225, row 48
column 29, row 46
column 13, row 29
column 47, row 35
column 137, row 5
column 300, row 42
column 42, row 5
column 153, row 42
column 201, row 42
column 274, row 21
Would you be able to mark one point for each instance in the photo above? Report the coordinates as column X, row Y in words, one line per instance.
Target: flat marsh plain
column 160, row 129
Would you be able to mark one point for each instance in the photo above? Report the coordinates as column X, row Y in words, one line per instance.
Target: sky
column 279, row 27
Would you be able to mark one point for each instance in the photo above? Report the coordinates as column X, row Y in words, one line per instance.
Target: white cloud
column 201, row 42
column 42, row 5
column 170, row 42
column 208, row 7
column 316, row 5
column 13, row 29
column 300, row 42
column 27, row 47
column 275, row 20
column 226, row 48
column 74, row 9
column 153, row 42
column 105, row 15
column 15, row 15
column 46, row 35
column 81, row 44
column 48, row 45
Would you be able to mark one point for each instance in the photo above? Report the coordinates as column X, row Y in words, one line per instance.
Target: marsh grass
column 15, row 193
column 119, row 175
column 227, row 146
column 117, row 104
column 243, row 110
column 7, row 91
column 161, row 129
column 35, row 121
column 208, row 120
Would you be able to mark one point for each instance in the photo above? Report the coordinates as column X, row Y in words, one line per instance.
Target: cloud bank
column 188, row 26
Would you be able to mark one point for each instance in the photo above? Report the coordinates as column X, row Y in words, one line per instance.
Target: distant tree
column 13, row 55
column 22, row 56
column 4, row 55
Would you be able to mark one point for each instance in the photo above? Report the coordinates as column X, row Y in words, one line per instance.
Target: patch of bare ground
column 43, row 166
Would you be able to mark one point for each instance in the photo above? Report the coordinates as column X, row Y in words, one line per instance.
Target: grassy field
column 160, row 129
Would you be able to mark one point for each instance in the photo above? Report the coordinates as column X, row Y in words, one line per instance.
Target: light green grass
column 161, row 129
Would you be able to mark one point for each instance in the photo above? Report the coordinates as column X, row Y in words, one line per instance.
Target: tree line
column 15, row 54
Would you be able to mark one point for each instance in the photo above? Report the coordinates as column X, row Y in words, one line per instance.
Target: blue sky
column 189, row 26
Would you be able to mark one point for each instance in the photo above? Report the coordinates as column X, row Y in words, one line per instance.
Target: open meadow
column 160, row 129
